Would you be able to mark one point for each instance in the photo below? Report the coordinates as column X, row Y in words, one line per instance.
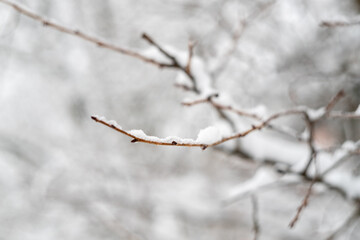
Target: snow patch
column 209, row 135
column 315, row 114
column 357, row 111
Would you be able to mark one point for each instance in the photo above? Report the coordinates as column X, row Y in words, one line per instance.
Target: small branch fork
column 174, row 62
column 61, row 28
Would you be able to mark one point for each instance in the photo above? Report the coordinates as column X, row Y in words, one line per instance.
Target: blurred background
column 62, row 176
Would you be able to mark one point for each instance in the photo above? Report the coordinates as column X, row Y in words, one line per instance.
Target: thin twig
column 304, row 203
column 344, row 115
column 334, row 101
column 175, row 63
column 255, row 216
column 211, row 101
column 197, row 144
column 82, row 35
column 310, row 126
column 334, row 24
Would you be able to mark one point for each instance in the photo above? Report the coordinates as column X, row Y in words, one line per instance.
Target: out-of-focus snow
column 357, row 111
column 262, row 177
column 265, row 145
column 346, row 181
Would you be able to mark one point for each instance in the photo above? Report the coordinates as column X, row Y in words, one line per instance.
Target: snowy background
column 63, row 176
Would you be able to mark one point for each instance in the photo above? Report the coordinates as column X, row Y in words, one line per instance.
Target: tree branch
column 82, row 35
column 302, row 206
column 190, row 142
column 255, row 216
column 333, row 24
column 175, row 62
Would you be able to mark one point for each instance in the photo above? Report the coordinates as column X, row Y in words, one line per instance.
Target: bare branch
column 82, row 35
column 310, row 126
column 334, row 101
column 302, row 206
column 334, row 24
column 255, row 216
column 161, row 49
column 344, row 115
column 175, row 62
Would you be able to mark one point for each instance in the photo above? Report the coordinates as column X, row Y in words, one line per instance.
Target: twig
column 334, row 24
column 210, row 100
column 344, row 115
column 175, row 63
column 334, row 101
column 303, row 205
column 139, row 139
column 82, row 35
column 192, row 143
column 255, row 216
column 310, row 126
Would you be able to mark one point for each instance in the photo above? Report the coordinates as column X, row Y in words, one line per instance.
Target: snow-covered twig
column 190, row 142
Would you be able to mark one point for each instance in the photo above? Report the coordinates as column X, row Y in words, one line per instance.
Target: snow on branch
column 206, row 138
